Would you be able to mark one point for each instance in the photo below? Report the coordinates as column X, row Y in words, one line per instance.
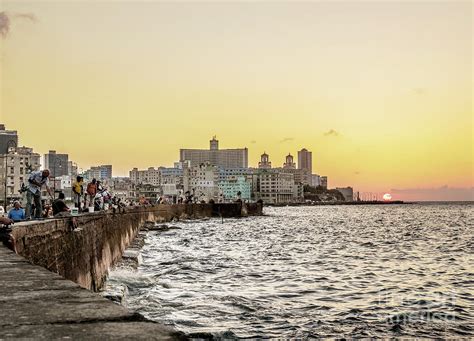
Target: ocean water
column 303, row 272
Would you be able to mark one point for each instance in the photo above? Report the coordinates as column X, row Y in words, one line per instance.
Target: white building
column 347, row 192
column 19, row 162
column 202, row 181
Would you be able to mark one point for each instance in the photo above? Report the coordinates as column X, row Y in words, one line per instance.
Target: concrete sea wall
column 82, row 248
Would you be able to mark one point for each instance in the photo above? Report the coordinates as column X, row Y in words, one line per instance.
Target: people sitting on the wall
column 36, row 180
column 16, row 213
column 59, row 206
column 91, row 191
column 78, row 190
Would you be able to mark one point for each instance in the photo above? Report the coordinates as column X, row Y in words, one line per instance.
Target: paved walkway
column 36, row 303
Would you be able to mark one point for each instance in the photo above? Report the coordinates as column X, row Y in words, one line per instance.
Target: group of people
column 37, row 208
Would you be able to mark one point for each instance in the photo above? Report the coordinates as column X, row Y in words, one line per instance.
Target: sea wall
column 82, row 248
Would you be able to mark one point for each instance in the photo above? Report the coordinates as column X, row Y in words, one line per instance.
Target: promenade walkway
column 36, row 303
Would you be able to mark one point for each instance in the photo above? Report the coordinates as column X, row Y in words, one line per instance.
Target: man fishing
column 36, row 180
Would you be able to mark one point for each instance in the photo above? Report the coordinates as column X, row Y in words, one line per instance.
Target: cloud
column 287, row 139
column 443, row 193
column 419, row 91
column 331, row 132
column 6, row 20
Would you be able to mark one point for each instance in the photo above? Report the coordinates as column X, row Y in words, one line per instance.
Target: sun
column 387, row 197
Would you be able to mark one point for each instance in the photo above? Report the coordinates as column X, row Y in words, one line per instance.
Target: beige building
column 226, row 158
column 202, row 181
column 19, row 162
column 274, row 187
column 150, row 176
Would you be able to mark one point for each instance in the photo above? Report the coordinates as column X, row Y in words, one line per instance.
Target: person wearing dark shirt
column 59, row 206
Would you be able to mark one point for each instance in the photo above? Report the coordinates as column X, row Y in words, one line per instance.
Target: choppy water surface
column 313, row 271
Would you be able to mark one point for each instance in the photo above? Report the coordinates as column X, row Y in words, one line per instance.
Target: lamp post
column 10, row 144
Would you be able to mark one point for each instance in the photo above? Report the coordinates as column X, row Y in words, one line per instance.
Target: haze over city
column 381, row 93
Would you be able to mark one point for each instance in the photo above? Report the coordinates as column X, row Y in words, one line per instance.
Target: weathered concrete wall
column 85, row 253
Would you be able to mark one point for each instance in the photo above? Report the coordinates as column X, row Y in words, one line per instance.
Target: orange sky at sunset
column 380, row 92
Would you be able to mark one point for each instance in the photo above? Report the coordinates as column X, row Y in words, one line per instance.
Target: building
column 324, row 182
column 289, row 164
column 274, row 187
column 347, row 192
column 102, row 173
column 19, row 163
column 305, row 160
column 58, row 164
column 8, row 139
column 264, row 161
column 202, row 181
column 171, row 176
column 231, row 188
column 150, row 176
column 233, row 173
column 226, row 158
column 315, row 180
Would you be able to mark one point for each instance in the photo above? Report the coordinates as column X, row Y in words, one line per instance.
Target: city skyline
column 365, row 87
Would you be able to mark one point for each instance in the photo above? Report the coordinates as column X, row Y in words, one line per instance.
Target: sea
column 311, row 272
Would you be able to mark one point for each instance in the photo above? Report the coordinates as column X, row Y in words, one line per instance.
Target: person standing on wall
column 78, row 190
column 36, row 180
column 91, row 192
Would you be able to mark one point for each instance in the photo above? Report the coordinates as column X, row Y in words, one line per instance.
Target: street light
column 10, row 144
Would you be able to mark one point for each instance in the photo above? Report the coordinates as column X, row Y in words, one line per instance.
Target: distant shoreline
column 353, row 203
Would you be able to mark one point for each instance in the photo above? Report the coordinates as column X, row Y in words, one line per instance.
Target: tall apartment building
column 8, row 139
column 19, row 162
column 226, row 158
column 58, row 164
column 305, row 160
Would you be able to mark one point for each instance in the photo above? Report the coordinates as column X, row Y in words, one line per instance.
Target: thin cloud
column 331, row 132
column 6, row 20
column 287, row 139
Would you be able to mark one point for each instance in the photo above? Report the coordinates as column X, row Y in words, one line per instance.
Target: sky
column 380, row 92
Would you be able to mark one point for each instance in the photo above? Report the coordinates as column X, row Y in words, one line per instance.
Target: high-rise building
column 227, row 158
column 305, row 160
column 58, row 164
